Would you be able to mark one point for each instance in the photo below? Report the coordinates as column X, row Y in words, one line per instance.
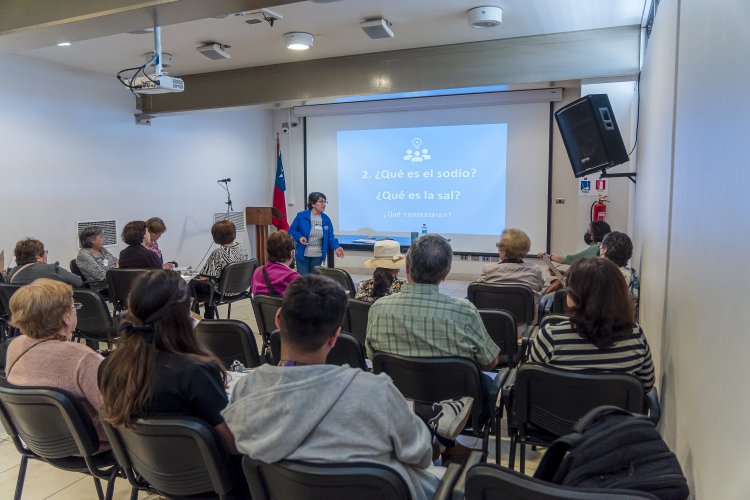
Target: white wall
column 71, row 152
column 691, row 235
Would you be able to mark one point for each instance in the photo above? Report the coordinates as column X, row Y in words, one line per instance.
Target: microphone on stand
column 225, row 180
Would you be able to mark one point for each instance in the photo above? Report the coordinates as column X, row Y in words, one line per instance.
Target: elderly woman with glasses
column 312, row 230
column 46, row 315
column 93, row 259
column 31, row 258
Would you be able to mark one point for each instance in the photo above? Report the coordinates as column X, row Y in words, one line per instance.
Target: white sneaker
column 451, row 417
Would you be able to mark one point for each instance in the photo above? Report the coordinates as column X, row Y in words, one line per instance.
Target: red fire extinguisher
column 599, row 209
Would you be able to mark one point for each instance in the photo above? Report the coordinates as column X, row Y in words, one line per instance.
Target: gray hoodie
column 325, row 414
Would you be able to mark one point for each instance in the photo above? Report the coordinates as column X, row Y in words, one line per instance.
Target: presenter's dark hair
column 312, row 310
column 598, row 230
column 429, row 259
column 617, row 247
column 28, row 250
column 224, row 232
column 134, row 232
column 88, row 234
column 158, row 320
column 313, row 198
column 279, row 246
column 602, row 311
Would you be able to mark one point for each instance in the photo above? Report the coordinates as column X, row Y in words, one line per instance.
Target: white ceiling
column 335, row 25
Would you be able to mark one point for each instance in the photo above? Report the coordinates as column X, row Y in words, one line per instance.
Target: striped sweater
column 559, row 345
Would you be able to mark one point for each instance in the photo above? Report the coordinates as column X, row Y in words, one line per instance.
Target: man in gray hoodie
column 306, row 410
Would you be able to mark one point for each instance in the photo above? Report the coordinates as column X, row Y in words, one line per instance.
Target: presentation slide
column 395, row 180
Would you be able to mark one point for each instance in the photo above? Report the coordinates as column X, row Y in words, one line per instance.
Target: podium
column 258, row 220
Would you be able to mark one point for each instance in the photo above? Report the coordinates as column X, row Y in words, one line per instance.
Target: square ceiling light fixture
column 298, row 41
column 214, row 51
column 377, row 28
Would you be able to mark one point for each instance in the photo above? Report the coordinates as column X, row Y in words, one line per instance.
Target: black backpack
column 613, row 448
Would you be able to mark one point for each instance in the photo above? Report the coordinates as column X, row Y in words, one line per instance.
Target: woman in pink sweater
column 46, row 315
column 275, row 276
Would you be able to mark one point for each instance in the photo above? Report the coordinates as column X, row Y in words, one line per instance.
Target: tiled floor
column 45, row 482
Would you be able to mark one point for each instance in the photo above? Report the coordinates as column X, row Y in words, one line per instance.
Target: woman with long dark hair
column 387, row 260
column 601, row 333
column 159, row 366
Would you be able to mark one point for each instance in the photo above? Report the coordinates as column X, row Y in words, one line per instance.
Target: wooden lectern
column 260, row 217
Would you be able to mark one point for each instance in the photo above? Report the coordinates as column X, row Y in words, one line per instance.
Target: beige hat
column 387, row 254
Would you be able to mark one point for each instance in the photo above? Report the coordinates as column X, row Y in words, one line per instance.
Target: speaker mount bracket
column 629, row 175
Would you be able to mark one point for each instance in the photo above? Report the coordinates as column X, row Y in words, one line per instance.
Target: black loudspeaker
column 590, row 133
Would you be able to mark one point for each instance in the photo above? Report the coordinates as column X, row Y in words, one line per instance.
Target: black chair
column 6, row 292
column 544, row 403
column 340, row 276
column 119, row 283
column 49, row 425
column 440, row 378
column 494, row 482
column 502, row 329
column 355, row 320
column 97, row 285
column 173, row 456
column 233, row 285
column 291, row 480
column 265, row 307
column 95, row 322
column 230, row 340
column 553, row 303
column 515, row 298
column 347, row 351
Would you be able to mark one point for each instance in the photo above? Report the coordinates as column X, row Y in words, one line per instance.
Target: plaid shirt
column 422, row 322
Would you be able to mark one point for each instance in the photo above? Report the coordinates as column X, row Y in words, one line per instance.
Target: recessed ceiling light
column 298, row 41
column 488, row 16
column 63, row 44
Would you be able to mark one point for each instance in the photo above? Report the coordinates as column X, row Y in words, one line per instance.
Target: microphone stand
column 228, row 203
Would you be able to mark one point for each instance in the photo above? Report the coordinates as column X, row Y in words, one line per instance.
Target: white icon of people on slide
column 417, row 155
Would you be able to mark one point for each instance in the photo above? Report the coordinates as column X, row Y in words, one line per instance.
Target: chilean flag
column 279, row 200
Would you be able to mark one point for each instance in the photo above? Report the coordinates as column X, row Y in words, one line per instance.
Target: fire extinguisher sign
column 592, row 187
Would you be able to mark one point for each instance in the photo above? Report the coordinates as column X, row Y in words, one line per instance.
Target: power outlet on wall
column 486, row 259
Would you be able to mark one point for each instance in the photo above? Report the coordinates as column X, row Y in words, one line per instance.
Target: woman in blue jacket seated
column 312, row 231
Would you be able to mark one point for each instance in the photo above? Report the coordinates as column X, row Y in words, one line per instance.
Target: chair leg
column 229, row 310
column 21, row 477
column 497, row 440
column 512, row 454
column 523, row 458
column 133, row 493
column 110, row 487
column 99, row 492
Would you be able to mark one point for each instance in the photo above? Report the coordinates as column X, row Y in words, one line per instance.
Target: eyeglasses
column 77, row 306
column 324, row 202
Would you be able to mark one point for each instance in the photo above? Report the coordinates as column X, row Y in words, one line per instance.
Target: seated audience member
column 31, row 258
column 275, row 276
column 93, row 259
column 159, row 367
column 46, row 315
column 387, row 260
column 136, row 255
column 601, row 333
column 156, row 228
column 596, row 232
column 513, row 246
column 304, row 409
column 618, row 248
column 224, row 233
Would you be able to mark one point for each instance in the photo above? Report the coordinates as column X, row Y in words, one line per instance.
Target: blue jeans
column 307, row 265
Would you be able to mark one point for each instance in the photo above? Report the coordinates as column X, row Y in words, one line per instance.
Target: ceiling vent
column 485, row 17
column 214, row 51
column 377, row 28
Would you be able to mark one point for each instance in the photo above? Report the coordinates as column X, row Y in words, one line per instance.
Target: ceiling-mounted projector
column 485, row 17
column 214, row 51
column 377, row 28
column 156, row 84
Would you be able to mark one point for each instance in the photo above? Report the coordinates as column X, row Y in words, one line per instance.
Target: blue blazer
column 301, row 227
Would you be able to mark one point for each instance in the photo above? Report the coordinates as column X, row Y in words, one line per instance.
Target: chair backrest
column 230, row 340
column 434, row 379
column 340, row 276
column 236, row 277
column 94, row 318
column 515, row 298
column 559, row 303
column 493, row 482
column 177, row 456
column 554, row 400
column 76, row 270
column 502, row 329
column 287, row 479
column 355, row 321
column 119, row 283
column 265, row 307
column 47, row 422
column 6, row 292
column 347, row 351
